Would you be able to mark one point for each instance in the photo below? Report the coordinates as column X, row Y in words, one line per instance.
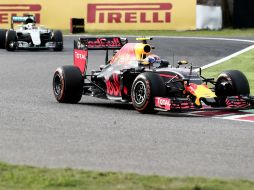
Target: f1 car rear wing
column 24, row 19
column 105, row 43
column 82, row 45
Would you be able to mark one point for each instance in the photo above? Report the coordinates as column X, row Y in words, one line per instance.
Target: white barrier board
column 209, row 17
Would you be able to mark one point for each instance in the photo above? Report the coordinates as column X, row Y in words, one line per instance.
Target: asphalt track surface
column 106, row 136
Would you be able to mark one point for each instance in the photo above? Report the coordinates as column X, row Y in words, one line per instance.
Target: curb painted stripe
column 233, row 115
column 245, row 118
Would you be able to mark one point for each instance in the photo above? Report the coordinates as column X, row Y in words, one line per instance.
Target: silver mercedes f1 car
column 30, row 36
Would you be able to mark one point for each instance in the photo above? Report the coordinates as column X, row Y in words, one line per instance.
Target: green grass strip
column 243, row 62
column 31, row 178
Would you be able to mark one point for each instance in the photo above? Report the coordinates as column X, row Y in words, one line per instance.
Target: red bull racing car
column 135, row 75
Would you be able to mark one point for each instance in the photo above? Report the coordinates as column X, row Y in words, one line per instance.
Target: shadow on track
column 110, row 105
column 127, row 106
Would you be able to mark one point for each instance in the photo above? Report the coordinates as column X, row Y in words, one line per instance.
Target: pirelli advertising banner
column 141, row 14
column 105, row 14
column 51, row 13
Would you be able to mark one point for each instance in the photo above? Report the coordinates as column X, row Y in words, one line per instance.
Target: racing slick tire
column 145, row 87
column 232, row 83
column 2, row 38
column 68, row 84
column 58, row 39
column 11, row 37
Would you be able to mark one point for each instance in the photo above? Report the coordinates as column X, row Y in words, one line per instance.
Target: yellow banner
column 54, row 14
column 105, row 14
column 140, row 15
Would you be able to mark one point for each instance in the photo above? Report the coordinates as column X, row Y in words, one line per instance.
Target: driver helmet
column 30, row 26
column 154, row 60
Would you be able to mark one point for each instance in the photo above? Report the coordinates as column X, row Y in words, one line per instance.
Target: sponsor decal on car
column 80, row 59
column 163, row 103
column 113, row 86
column 103, row 43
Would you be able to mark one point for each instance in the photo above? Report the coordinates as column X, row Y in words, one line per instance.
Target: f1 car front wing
column 185, row 104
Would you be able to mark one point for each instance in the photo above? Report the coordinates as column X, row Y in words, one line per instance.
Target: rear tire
column 68, row 84
column 58, row 39
column 2, row 38
column 145, row 87
column 11, row 39
column 232, row 83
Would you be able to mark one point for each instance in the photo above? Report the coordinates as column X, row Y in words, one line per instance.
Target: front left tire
column 11, row 39
column 232, row 83
column 58, row 39
column 2, row 38
column 68, row 84
column 144, row 89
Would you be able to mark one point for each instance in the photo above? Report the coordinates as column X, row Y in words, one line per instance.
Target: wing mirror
column 183, row 62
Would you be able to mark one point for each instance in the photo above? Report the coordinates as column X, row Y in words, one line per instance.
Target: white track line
column 172, row 37
column 228, row 57
column 221, row 39
column 206, row 38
